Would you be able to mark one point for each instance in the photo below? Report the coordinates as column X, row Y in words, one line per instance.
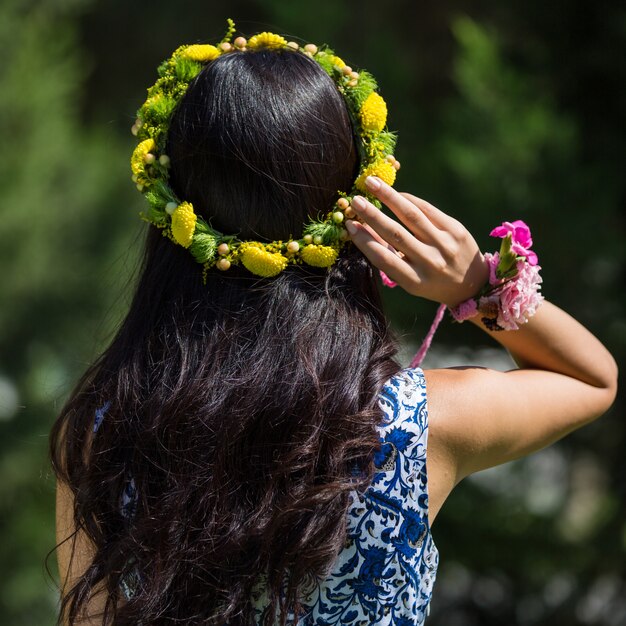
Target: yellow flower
column 319, row 256
column 338, row 61
column 373, row 113
column 261, row 262
column 183, row 224
column 137, row 162
column 203, row 53
column 383, row 169
column 267, row 40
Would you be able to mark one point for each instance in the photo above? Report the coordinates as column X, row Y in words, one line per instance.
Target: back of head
column 243, row 410
column 261, row 140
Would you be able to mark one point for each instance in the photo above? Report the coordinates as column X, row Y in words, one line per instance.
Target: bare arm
column 480, row 417
column 565, row 380
column 74, row 554
column 555, row 341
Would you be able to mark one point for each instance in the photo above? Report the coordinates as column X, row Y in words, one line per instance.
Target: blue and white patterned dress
column 385, row 573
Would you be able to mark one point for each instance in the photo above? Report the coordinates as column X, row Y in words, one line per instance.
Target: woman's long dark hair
column 244, row 411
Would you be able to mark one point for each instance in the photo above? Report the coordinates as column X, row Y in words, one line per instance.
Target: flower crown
column 321, row 240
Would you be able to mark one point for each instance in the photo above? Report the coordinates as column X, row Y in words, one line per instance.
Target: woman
column 248, row 450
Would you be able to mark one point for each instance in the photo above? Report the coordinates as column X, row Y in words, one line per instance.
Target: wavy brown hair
column 244, row 410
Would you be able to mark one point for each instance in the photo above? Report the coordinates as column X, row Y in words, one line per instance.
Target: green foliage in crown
column 321, row 240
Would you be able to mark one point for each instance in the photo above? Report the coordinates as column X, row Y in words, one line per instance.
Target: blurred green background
column 505, row 110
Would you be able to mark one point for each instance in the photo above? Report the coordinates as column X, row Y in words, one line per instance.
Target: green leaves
column 158, row 109
column 186, row 69
column 230, row 31
column 364, row 87
column 328, row 232
column 507, row 267
column 159, row 195
column 388, row 139
column 203, row 246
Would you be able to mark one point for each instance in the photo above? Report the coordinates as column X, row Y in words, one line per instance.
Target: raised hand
column 428, row 253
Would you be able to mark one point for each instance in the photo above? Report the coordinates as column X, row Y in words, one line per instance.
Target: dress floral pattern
column 385, row 573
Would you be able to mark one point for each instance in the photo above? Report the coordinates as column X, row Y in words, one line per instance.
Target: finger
column 380, row 240
column 391, row 231
column 436, row 216
column 409, row 213
column 376, row 236
column 380, row 256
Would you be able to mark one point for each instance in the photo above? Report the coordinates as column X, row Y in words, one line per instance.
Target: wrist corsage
column 511, row 297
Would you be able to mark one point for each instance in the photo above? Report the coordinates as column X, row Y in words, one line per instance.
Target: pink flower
column 517, row 300
column 521, row 240
column 387, row 281
column 492, row 261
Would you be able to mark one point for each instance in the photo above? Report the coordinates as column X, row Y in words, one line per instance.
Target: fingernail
column 358, row 203
column 351, row 227
column 373, row 183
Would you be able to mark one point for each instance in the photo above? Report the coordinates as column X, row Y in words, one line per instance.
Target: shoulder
column 466, row 405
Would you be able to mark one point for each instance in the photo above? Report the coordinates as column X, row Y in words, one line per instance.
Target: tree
column 59, row 181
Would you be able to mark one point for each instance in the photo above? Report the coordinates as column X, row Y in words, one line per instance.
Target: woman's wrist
column 510, row 294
